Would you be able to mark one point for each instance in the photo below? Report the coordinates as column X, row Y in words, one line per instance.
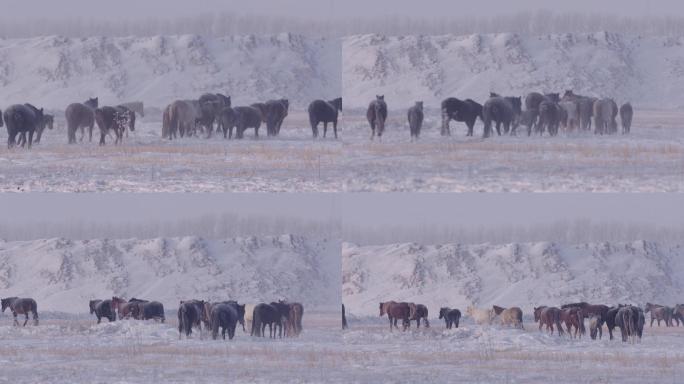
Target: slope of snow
column 525, row 275
column 62, row 274
column 53, row 71
column 645, row 70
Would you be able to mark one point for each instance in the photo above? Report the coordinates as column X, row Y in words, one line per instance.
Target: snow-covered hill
column 53, row 71
column 63, row 274
column 647, row 71
column 524, row 274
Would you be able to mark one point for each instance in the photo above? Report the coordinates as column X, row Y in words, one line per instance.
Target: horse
column 181, row 117
column 102, row 308
column 148, row 310
column 122, row 307
column 509, row 316
column 226, row 317
column 678, row 313
column 626, row 114
column 595, row 326
column 628, row 323
column 22, row 119
column 189, row 315
column 658, row 313
column 135, row 106
column 605, row 111
column 21, row 306
column 125, row 118
column 481, row 316
column 466, row 111
column 47, row 122
column 227, row 122
column 247, row 117
column 249, row 312
column 415, row 119
column 417, row 312
column 549, row 118
column 396, row 311
column 286, row 325
column 548, row 316
column 1, row 119
column 377, row 115
column 295, row 318
column 451, row 316
column 81, row 116
column 573, row 317
column 265, row 314
column 528, row 118
column 110, row 119
column 570, row 114
column 276, row 112
column 344, row 318
column 325, row 112
column 210, row 106
column 503, row 111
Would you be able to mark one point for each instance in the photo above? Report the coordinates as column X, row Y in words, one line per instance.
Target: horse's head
column 382, row 309
column 494, row 94
column 337, row 103
column 497, row 309
column 442, row 312
column 286, row 104
column 48, row 121
column 380, row 97
column 5, row 304
column 92, row 103
column 92, row 304
column 419, row 105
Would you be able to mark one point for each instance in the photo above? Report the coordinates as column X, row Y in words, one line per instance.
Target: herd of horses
column 283, row 318
column 213, row 112
column 629, row 318
column 542, row 113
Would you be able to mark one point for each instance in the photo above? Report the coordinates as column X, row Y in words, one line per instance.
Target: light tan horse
column 481, row 316
column 509, row 316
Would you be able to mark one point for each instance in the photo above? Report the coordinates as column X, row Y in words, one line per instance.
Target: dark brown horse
column 396, row 311
column 102, row 308
column 678, row 313
column 321, row 111
column 276, row 112
column 659, row 313
column 80, row 116
column 190, row 315
column 294, row 326
column 21, row 306
column 147, row 310
column 419, row 311
column 548, row 316
column 124, row 308
column 109, row 120
column 573, row 318
column 377, row 115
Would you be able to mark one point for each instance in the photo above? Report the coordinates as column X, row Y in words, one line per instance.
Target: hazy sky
column 120, row 207
column 492, row 209
column 324, row 8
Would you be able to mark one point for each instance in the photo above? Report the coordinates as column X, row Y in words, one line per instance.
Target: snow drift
column 524, row 275
column 62, row 275
column 644, row 70
column 53, row 71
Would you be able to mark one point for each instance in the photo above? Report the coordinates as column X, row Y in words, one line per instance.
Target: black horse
column 226, row 317
column 325, row 112
column 247, row 117
column 377, row 115
column 265, row 314
column 451, row 316
column 190, row 315
column 22, row 119
column 276, row 112
column 502, row 111
column 415, row 119
column 227, row 122
column 466, row 111
column 102, row 309
column 109, row 119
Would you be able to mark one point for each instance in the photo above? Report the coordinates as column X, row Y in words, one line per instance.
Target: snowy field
column 650, row 159
column 79, row 351
column 475, row 354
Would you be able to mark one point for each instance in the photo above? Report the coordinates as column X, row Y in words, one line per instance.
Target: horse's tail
column 34, row 309
column 255, row 314
column 215, row 322
column 519, row 317
column 580, row 320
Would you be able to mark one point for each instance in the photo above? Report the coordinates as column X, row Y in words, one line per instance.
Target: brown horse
column 21, row 306
column 124, row 308
column 573, row 317
column 294, row 325
column 659, row 313
column 678, row 313
column 396, row 311
column 548, row 316
column 509, row 316
column 419, row 311
column 80, row 116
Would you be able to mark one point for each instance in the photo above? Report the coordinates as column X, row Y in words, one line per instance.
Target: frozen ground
column 78, row 351
column 650, row 159
column 473, row 354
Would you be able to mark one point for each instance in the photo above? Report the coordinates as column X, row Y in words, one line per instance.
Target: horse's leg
column 26, row 318
column 334, row 123
column 16, row 322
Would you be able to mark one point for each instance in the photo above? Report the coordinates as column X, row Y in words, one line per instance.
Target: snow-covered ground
column 650, row 159
column 475, row 354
